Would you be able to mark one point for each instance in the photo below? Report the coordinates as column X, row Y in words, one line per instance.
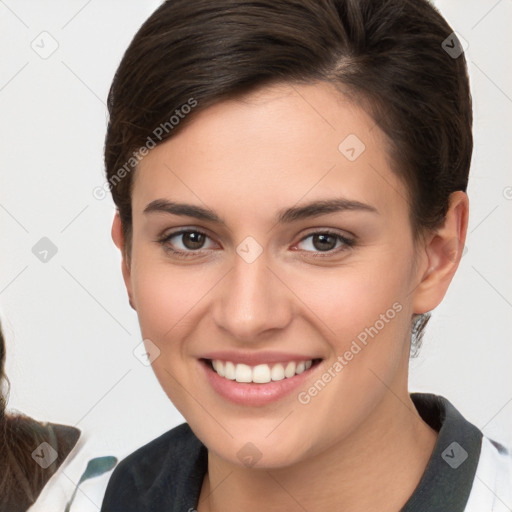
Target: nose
column 253, row 301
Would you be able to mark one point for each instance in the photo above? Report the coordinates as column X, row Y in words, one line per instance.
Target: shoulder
column 144, row 462
column 149, row 471
column 492, row 486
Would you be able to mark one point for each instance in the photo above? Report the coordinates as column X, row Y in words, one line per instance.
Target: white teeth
column 243, row 373
column 229, row 370
column 261, row 373
column 219, row 368
column 277, row 372
column 289, row 371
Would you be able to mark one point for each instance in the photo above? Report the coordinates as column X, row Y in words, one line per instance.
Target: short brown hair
column 387, row 55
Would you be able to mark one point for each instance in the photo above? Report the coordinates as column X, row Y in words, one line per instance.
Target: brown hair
column 386, row 55
column 21, row 478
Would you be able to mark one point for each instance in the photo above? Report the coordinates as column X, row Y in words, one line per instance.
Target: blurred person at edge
column 42, row 463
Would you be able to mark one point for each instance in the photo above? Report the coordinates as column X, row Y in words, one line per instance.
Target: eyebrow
column 286, row 215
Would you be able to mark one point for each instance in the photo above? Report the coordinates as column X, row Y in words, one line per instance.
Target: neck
column 387, row 454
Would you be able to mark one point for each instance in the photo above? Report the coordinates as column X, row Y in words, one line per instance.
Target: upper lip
column 255, row 358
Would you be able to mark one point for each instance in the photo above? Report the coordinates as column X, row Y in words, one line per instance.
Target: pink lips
column 253, row 394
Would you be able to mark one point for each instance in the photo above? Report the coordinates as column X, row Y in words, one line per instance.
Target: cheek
column 348, row 300
column 165, row 295
column 167, row 300
column 160, row 303
column 163, row 300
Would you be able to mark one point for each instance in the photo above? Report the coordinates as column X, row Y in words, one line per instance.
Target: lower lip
column 251, row 393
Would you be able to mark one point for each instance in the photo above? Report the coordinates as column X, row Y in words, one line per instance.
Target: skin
column 246, row 159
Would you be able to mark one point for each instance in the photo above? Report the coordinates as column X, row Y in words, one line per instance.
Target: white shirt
column 60, row 487
column 492, row 486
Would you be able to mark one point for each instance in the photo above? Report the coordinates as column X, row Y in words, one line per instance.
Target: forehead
column 273, row 148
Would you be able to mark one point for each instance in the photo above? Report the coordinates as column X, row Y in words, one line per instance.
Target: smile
column 256, row 379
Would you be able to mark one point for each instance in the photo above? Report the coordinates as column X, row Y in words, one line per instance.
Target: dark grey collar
column 448, row 477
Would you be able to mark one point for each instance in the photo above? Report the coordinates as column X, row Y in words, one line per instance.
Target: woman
column 290, row 179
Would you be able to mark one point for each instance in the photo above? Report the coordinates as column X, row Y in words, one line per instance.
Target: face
column 293, row 263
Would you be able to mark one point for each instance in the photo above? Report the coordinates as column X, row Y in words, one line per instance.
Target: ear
column 118, row 238
column 443, row 251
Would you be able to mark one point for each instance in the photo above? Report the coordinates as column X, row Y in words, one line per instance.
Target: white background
column 70, row 331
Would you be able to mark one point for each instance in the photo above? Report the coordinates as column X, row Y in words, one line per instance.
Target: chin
column 261, row 451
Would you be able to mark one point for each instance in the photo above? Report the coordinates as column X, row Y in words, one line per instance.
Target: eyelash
column 347, row 243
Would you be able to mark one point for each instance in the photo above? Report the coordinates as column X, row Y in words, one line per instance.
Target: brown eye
column 186, row 242
column 326, row 242
column 193, row 240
